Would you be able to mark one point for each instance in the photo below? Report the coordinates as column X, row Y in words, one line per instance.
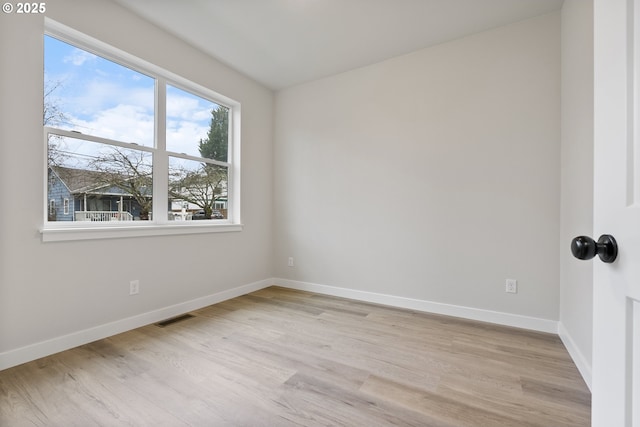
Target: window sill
column 63, row 234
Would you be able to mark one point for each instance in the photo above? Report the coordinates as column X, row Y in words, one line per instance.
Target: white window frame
column 65, row 206
column 159, row 224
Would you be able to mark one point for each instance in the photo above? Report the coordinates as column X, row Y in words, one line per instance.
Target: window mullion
column 160, row 158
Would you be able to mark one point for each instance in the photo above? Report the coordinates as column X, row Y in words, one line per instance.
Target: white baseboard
column 35, row 351
column 507, row 319
column 65, row 342
column 574, row 351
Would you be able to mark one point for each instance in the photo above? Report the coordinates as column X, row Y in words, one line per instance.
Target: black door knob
column 584, row 247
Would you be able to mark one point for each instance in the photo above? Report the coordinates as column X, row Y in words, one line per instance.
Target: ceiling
column 281, row 43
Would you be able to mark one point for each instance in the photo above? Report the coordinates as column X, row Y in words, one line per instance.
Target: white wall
column 432, row 176
column 576, row 277
column 52, row 294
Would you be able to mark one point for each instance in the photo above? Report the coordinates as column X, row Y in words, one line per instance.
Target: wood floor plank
column 281, row 357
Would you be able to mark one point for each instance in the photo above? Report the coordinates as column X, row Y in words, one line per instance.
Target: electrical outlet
column 290, row 261
column 134, row 287
column 511, row 286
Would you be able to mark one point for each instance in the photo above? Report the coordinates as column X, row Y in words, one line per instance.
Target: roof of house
column 80, row 181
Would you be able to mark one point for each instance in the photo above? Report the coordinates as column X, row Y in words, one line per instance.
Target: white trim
column 48, row 130
column 234, row 178
column 74, row 339
column 501, row 318
column 580, row 361
column 117, row 231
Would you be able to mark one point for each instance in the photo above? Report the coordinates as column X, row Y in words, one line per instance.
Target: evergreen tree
column 216, row 145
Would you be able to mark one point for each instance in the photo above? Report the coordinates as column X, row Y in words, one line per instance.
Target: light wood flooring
column 280, row 357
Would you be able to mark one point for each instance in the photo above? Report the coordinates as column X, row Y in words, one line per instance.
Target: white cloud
column 130, row 123
column 97, row 97
column 126, row 123
column 116, row 103
column 114, row 111
column 78, row 57
column 188, row 119
column 184, row 136
column 188, row 108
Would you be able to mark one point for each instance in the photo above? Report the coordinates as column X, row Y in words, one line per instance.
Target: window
column 129, row 144
column 198, row 154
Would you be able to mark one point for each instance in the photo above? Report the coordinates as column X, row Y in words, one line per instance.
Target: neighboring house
column 82, row 195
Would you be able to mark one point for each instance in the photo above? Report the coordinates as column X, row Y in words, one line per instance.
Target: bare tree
column 129, row 171
column 53, row 115
column 202, row 187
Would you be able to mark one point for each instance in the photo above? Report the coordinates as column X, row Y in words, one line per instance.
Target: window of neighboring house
column 132, row 142
column 52, row 208
column 65, row 206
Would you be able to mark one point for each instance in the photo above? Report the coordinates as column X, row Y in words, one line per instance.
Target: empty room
column 319, row 213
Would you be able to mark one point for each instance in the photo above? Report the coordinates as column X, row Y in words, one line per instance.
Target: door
column 616, row 306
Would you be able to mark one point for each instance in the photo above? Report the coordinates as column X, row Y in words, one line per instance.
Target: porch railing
column 103, row 216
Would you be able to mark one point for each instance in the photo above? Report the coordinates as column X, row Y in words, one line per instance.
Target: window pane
column 196, row 126
column 95, row 96
column 102, row 182
column 197, row 190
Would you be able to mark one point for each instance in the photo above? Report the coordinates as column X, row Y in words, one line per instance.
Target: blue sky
column 102, row 98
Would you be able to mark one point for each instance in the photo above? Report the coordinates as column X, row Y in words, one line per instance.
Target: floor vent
column 174, row 320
